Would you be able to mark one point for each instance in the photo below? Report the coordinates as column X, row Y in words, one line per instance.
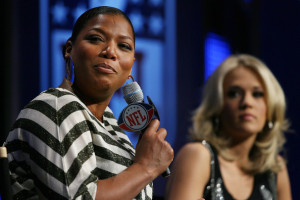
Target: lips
column 104, row 68
column 247, row 117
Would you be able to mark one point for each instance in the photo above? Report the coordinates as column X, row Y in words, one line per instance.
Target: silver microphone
column 133, row 93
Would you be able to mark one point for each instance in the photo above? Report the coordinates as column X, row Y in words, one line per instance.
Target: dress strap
column 212, row 170
column 272, row 179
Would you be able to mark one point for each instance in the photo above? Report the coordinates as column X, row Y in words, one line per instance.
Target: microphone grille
column 132, row 93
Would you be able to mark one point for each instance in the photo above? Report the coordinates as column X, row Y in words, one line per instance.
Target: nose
column 246, row 101
column 109, row 51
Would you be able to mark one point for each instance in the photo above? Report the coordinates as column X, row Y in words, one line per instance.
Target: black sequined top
column 264, row 184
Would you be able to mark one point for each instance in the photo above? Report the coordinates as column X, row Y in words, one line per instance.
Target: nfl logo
column 136, row 117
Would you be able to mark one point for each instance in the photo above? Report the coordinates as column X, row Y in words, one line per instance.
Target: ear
column 68, row 49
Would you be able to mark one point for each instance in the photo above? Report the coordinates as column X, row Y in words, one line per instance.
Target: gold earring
column 130, row 77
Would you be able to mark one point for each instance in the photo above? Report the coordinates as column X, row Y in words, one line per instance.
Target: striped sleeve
column 51, row 151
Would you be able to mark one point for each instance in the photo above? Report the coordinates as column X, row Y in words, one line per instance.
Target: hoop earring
column 70, row 69
column 130, row 77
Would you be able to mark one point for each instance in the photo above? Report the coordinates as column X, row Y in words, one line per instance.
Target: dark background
column 268, row 29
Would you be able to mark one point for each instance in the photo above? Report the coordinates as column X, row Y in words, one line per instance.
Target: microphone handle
column 166, row 173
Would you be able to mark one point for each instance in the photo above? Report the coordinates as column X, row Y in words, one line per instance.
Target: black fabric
column 259, row 180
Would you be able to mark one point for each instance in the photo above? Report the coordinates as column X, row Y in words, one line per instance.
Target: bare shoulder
column 283, row 171
column 194, row 149
column 193, row 156
column 190, row 172
column 282, row 162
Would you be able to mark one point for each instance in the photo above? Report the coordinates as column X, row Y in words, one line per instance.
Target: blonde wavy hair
column 269, row 143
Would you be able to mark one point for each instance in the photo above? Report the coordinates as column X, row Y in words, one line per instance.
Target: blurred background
column 178, row 45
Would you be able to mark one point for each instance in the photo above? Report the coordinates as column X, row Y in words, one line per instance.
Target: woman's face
column 244, row 111
column 103, row 55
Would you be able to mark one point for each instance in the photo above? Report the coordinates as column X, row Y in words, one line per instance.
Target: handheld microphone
column 137, row 115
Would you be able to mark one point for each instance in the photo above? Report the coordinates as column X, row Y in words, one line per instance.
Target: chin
column 250, row 131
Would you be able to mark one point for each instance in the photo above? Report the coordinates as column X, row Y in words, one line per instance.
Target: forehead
column 111, row 23
column 243, row 77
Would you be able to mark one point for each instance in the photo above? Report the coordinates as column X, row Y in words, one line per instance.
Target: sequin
column 219, row 190
column 266, row 194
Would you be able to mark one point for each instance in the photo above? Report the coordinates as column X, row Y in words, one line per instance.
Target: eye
column 95, row 38
column 125, row 46
column 258, row 94
column 233, row 93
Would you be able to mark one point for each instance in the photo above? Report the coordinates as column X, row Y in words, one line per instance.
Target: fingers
column 162, row 133
column 153, row 151
column 152, row 129
column 153, row 126
column 169, row 151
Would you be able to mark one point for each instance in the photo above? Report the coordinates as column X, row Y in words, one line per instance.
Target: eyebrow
column 103, row 32
column 238, row 87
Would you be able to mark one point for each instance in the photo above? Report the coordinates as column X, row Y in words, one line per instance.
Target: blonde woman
column 238, row 133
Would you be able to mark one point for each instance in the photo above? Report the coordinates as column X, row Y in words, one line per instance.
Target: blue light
column 216, row 50
column 137, row 20
column 60, row 12
column 156, row 24
column 44, row 78
column 58, row 38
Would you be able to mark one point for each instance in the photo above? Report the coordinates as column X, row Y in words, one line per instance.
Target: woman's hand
column 153, row 156
column 153, row 152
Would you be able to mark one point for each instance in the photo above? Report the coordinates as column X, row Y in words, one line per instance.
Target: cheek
column 126, row 64
column 262, row 111
column 228, row 113
column 85, row 54
column 83, row 51
column 83, row 58
column 125, row 68
column 230, row 108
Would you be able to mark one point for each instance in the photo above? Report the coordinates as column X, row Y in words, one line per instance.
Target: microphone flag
column 136, row 116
